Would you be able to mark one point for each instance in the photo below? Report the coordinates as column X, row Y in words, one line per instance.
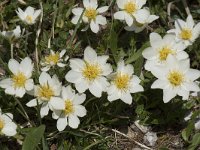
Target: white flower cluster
column 91, row 74
column 131, row 12
column 168, row 61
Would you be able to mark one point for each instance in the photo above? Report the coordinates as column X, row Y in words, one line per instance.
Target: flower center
column 175, row 78
column 91, row 13
column 186, row 34
column 130, row 7
column 68, row 107
column 1, row 124
column 19, row 80
column 45, row 91
column 122, row 81
column 164, row 52
column 52, row 59
column 29, row 18
column 91, row 71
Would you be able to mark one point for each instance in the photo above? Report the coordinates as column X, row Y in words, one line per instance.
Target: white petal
column 32, row 103
column 13, row 65
column 136, row 88
column 142, row 15
column 26, row 67
column 44, row 110
column 79, row 99
column 192, row 86
column 20, row 92
column 120, row 15
column 180, row 24
column 127, row 98
column 73, row 76
column 184, row 94
column 121, row 3
column 80, row 110
column 102, row 9
column 128, row 19
column 149, row 53
column 90, row 55
column 152, row 18
column 36, row 14
column 96, row 89
column 159, row 84
column 57, row 103
column 29, row 84
column 168, row 95
column 61, row 65
column 182, row 55
column 7, row 117
column 6, row 83
column 68, row 93
column 73, row 121
column 77, row 64
column 192, row 74
column 81, row 86
column 140, row 3
column 75, row 19
column 190, row 21
column 10, row 129
column 44, row 78
column 94, row 26
column 29, row 10
column 101, row 20
column 155, row 39
column 10, row 90
column 61, row 124
column 77, row 11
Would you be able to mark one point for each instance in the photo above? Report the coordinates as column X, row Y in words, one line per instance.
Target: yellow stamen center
column 122, row 81
column 52, row 58
column 175, row 78
column 45, row 91
column 1, row 124
column 130, row 7
column 186, row 34
column 68, row 107
column 19, row 80
column 164, row 52
column 29, row 19
column 91, row 71
column 91, row 13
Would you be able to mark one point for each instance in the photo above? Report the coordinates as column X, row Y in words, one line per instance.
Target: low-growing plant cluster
column 72, row 71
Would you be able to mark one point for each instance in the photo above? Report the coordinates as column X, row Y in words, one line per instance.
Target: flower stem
column 11, row 50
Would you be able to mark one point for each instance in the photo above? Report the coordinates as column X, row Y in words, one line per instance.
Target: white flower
column 123, row 84
column 90, row 73
column 186, row 32
column 48, row 88
column 7, row 126
column 176, row 78
column 92, row 14
column 128, row 10
column 12, row 35
column 28, row 16
column 72, row 109
column 54, row 59
column 141, row 21
column 161, row 48
column 20, row 81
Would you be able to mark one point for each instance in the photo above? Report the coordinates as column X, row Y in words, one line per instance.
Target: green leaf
column 195, row 142
column 113, row 44
column 33, row 138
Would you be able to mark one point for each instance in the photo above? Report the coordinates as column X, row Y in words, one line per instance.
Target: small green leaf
column 33, row 138
column 195, row 142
